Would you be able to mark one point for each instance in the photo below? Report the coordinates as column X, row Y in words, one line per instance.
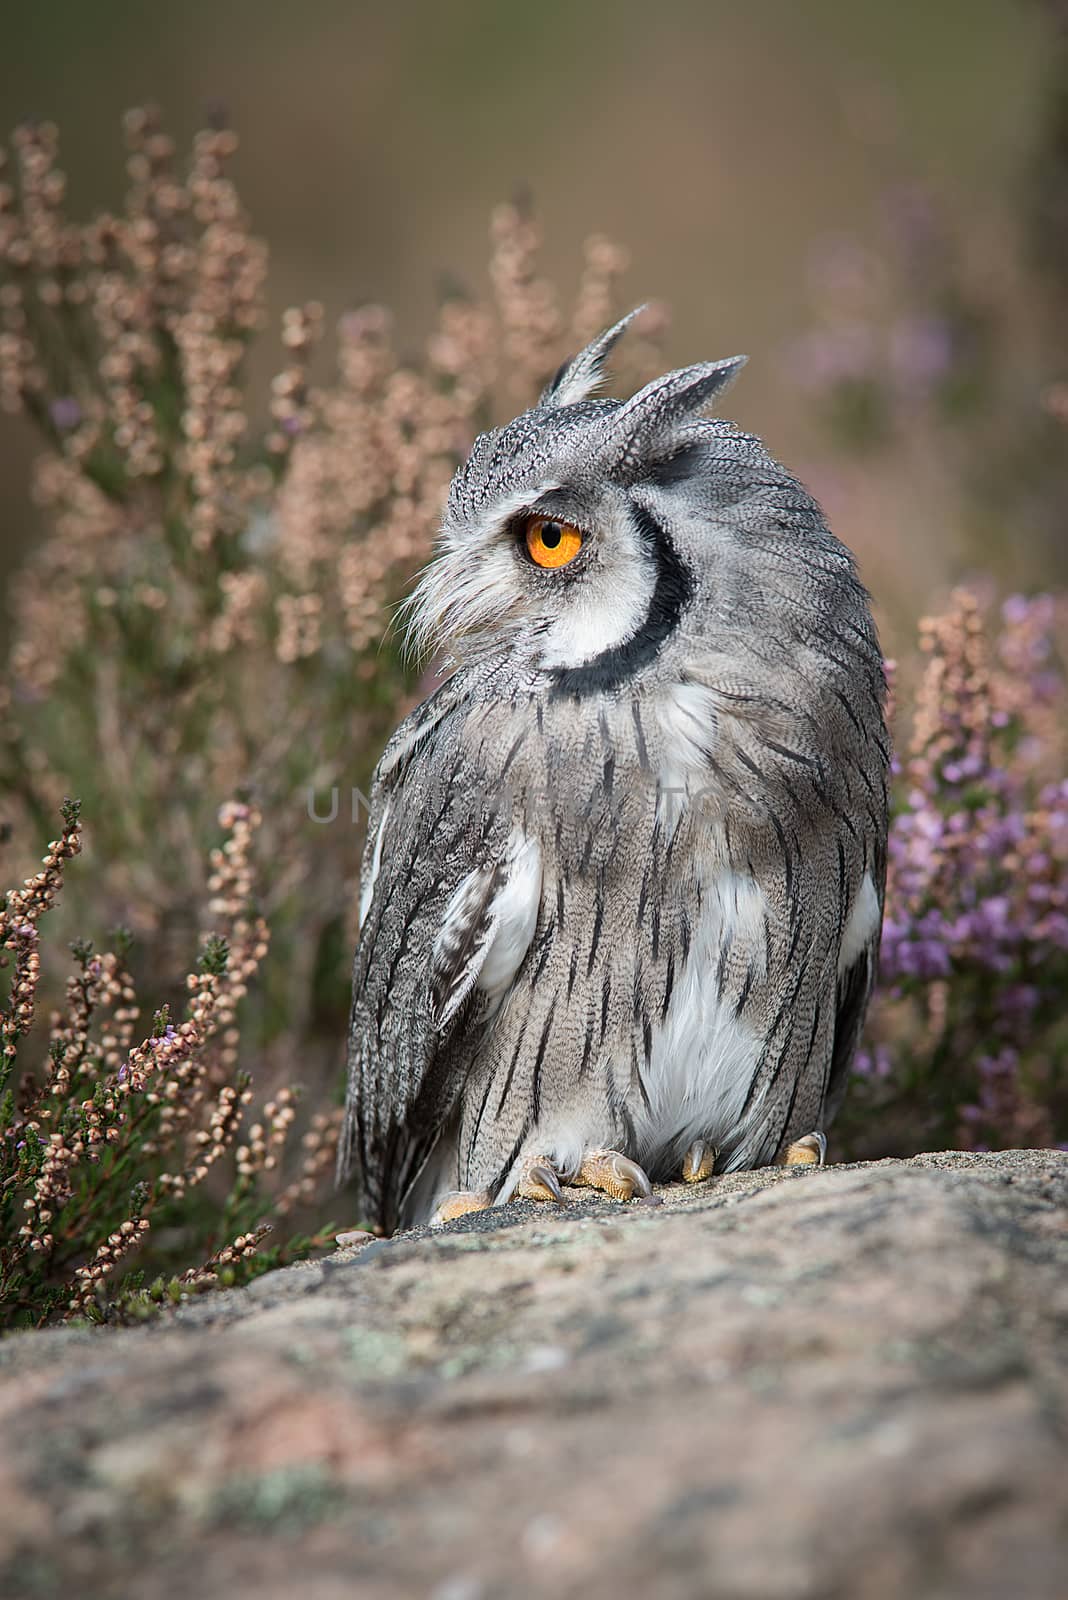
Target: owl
column 623, row 883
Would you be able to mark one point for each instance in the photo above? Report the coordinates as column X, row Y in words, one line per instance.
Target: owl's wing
column 449, row 902
column 858, row 964
column 855, row 985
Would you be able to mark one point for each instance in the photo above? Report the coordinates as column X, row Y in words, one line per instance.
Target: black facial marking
column 671, row 593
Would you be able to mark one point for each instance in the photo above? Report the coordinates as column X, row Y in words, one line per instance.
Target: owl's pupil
column 551, row 534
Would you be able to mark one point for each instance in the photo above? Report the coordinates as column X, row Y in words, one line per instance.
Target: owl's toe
column 808, row 1151
column 698, row 1162
column 459, row 1203
column 538, row 1180
column 616, row 1175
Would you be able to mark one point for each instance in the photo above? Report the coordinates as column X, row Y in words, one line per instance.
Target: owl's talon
column 459, row 1203
column 616, row 1175
column 808, row 1151
column 538, row 1180
column 699, row 1162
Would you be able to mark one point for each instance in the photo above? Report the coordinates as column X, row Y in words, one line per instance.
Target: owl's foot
column 459, row 1203
column 808, row 1151
column 615, row 1175
column 609, row 1171
column 538, row 1180
column 698, row 1162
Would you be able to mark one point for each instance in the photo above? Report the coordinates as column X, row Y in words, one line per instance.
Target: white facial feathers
column 470, row 586
column 604, row 613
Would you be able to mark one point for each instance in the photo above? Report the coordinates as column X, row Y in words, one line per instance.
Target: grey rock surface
column 847, row 1384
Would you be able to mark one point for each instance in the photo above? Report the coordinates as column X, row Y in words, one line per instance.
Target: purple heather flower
column 910, row 212
column 834, row 355
column 1020, row 608
column 841, row 270
column 921, row 351
column 65, row 412
column 874, row 1062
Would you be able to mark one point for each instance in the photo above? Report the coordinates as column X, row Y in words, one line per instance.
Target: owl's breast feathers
column 663, row 902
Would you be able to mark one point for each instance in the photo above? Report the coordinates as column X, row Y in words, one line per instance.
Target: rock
column 788, row 1384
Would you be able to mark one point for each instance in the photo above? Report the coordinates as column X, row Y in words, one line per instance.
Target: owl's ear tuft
column 578, row 378
column 643, row 427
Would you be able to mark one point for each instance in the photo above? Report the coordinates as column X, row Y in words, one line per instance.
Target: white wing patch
column 862, row 925
column 367, row 887
column 514, row 913
column 487, row 928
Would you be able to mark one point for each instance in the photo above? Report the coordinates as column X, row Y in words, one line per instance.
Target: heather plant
column 112, row 1139
column 968, row 1040
column 207, row 611
column 909, row 349
column 206, row 614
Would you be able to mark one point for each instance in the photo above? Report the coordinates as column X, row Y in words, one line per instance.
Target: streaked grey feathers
column 627, row 864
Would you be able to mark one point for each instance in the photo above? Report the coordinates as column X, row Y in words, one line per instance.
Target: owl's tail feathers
column 349, row 1174
column 369, row 1196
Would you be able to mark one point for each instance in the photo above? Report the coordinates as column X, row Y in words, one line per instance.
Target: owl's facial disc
column 553, row 578
column 588, row 579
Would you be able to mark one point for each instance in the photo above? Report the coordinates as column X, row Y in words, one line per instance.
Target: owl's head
column 581, row 537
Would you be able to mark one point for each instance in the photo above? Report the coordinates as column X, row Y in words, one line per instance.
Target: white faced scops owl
column 623, row 883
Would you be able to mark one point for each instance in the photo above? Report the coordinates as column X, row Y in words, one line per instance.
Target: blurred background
column 229, row 482
column 856, row 194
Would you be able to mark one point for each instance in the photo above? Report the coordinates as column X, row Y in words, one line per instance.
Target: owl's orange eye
column 551, row 544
